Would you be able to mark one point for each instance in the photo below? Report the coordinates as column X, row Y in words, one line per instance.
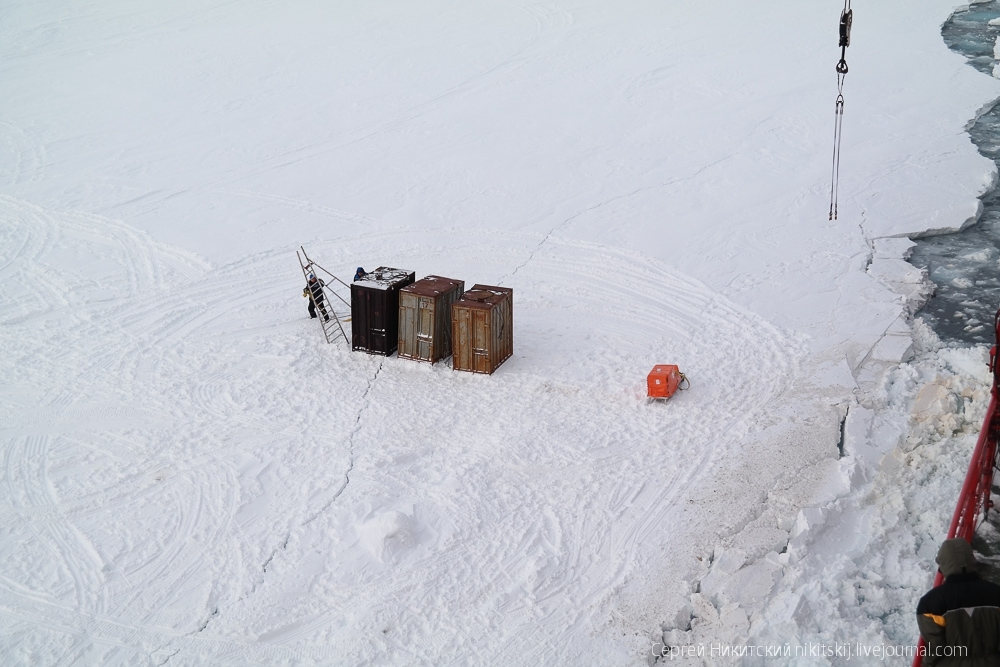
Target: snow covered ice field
column 190, row 474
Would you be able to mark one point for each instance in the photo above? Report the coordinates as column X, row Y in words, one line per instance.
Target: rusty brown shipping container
column 425, row 318
column 375, row 310
column 482, row 329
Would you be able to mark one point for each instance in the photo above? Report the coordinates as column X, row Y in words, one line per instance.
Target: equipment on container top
column 664, row 381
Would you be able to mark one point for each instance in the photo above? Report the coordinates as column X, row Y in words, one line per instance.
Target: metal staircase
column 327, row 316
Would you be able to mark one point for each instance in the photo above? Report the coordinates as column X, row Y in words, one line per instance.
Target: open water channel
column 965, row 267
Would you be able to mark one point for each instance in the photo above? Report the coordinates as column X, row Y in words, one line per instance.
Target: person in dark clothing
column 960, row 619
column 359, row 274
column 314, row 288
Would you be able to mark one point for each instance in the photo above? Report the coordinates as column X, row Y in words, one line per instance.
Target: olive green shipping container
column 425, row 318
column 483, row 329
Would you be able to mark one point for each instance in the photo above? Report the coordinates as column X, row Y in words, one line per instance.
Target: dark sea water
column 965, row 267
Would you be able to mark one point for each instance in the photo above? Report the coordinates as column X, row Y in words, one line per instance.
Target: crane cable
column 846, row 17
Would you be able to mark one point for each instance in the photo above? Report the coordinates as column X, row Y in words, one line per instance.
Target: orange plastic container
column 662, row 381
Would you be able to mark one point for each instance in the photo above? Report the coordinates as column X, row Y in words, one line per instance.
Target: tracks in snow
column 492, row 511
column 485, row 511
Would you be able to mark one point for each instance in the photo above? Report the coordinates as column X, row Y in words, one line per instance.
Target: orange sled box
column 663, row 381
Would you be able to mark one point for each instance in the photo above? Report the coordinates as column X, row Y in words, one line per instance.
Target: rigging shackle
column 846, row 18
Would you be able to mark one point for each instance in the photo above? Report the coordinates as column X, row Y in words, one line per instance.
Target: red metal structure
column 974, row 500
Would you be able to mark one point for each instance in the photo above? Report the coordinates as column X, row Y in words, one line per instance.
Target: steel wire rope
column 846, row 18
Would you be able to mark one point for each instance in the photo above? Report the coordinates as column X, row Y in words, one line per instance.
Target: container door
column 376, row 315
column 359, row 319
column 425, row 329
column 503, row 337
column 407, row 325
column 461, row 339
column 481, row 341
column 442, row 325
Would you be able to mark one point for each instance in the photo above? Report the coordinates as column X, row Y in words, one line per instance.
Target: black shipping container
column 375, row 310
